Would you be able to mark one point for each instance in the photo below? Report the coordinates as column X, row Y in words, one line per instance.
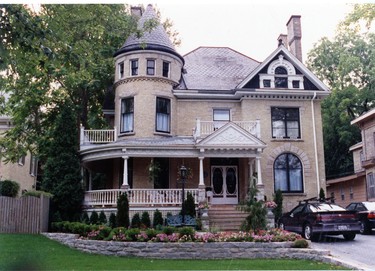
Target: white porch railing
column 205, row 128
column 146, row 197
column 97, row 136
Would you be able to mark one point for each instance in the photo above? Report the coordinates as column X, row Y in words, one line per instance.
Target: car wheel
column 365, row 228
column 307, row 232
column 349, row 236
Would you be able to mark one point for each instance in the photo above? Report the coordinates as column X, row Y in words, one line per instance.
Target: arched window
column 288, row 173
column 281, row 77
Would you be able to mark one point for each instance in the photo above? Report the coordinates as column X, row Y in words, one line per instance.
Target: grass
column 36, row 252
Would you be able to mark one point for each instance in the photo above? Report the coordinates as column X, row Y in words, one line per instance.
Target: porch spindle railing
column 147, row 197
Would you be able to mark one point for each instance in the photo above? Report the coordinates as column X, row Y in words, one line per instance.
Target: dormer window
column 281, row 77
column 281, row 74
column 150, row 67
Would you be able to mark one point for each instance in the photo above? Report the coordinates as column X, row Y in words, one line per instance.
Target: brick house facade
column 229, row 119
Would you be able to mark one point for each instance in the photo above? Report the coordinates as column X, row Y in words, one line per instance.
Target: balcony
column 97, row 136
column 205, row 128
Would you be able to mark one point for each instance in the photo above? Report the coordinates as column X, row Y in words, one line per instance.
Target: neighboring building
column 24, row 171
column 359, row 186
column 226, row 117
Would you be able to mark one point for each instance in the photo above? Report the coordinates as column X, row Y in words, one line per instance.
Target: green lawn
column 36, row 252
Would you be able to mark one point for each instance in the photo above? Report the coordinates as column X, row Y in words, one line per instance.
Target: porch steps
column 226, row 217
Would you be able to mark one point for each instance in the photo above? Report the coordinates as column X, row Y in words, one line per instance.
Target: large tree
column 347, row 65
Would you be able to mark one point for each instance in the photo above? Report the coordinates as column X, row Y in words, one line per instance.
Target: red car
column 312, row 219
column 365, row 213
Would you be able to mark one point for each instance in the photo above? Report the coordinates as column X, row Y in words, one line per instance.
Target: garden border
column 196, row 250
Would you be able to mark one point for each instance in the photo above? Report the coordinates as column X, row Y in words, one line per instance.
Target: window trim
column 123, row 114
column 166, row 114
column 288, row 175
column 285, row 122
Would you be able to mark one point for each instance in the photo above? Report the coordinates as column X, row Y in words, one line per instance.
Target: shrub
column 189, row 205
column 37, row 194
column 85, row 218
column 145, row 220
column 136, row 221
column 102, row 218
column 112, row 220
column 186, row 231
column 278, row 199
column 301, row 243
column 94, row 218
column 9, row 188
column 132, row 234
column 151, row 233
column 169, row 230
column 158, row 219
column 123, row 211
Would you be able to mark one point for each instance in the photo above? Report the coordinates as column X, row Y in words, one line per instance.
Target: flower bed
column 172, row 234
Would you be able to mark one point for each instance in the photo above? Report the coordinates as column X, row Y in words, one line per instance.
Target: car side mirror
column 291, row 215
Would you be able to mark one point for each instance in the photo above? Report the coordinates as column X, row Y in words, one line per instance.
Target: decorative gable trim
column 293, row 60
column 231, row 136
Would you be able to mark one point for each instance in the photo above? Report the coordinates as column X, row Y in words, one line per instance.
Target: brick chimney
column 295, row 35
column 282, row 39
column 136, row 12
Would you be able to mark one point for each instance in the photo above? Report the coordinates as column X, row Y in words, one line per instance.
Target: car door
column 291, row 221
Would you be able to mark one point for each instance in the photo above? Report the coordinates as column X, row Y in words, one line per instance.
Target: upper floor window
column 127, row 115
column 134, row 67
column 285, row 122
column 121, row 70
column 150, row 67
column 281, row 77
column 288, row 173
column 221, row 116
column 33, row 166
column 163, row 115
column 166, row 69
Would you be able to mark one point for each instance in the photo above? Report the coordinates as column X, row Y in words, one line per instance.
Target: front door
column 224, row 181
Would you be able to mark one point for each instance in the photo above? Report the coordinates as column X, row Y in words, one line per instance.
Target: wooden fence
column 24, row 215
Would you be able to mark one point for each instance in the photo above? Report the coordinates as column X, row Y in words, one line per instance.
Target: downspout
column 315, row 144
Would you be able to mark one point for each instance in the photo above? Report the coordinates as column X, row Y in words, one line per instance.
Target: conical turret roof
column 156, row 39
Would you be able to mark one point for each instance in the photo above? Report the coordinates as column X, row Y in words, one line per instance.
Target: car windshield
column 370, row 205
column 323, row 207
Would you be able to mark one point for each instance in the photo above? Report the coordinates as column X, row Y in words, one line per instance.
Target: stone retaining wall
column 189, row 250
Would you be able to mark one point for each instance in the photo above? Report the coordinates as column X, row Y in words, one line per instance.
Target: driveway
column 359, row 252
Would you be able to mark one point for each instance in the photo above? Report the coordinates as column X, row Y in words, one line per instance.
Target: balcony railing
column 205, row 128
column 144, row 197
column 97, row 136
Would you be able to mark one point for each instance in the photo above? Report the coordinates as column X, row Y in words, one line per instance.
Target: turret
column 147, row 69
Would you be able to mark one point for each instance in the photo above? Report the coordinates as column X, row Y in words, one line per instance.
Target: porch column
column 259, row 184
column 259, row 171
column 201, row 178
column 90, row 180
column 125, row 182
column 251, row 171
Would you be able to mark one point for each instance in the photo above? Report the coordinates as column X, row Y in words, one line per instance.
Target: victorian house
column 229, row 119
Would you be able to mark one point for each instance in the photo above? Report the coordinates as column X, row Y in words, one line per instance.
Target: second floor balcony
column 202, row 129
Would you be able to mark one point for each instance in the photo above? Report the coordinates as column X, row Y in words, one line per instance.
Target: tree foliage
column 347, row 65
column 65, row 52
column 62, row 175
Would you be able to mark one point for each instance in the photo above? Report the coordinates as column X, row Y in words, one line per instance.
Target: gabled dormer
column 282, row 71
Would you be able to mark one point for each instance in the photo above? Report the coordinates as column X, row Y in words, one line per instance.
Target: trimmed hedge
column 9, row 188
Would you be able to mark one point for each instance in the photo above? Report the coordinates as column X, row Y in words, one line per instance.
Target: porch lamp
column 183, row 174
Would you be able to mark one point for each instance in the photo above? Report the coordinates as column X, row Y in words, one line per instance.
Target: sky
column 250, row 27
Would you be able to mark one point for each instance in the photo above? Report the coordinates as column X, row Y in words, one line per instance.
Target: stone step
column 226, row 217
